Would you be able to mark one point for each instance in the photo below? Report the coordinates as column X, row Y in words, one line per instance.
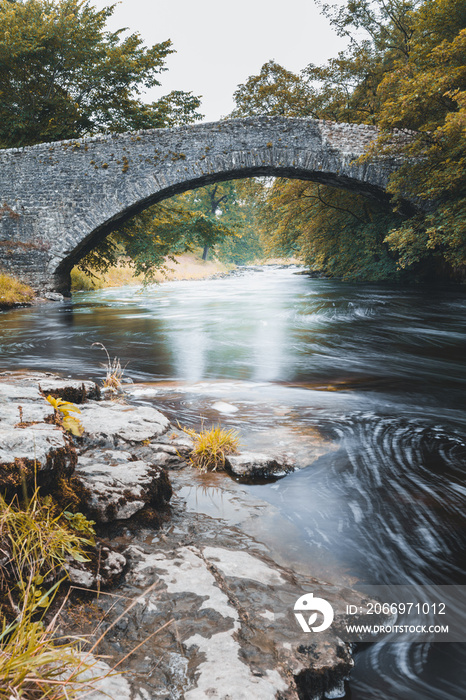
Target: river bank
column 222, row 600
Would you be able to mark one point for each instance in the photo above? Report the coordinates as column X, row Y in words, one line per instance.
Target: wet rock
column 104, row 573
column 258, row 465
column 70, row 390
column 97, row 681
column 109, row 423
column 54, row 296
column 234, row 619
column 115, row 487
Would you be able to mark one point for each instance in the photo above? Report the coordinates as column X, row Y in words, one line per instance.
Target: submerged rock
column 258, row 465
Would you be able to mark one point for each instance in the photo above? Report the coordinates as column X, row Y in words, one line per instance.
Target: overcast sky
column 220, row 44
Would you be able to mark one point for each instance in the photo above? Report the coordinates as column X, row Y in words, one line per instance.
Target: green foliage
column 222, row 216
column 403, row 70
column 37, row 544
column 36, row 664
column 211, row 447
column 63, row 75
column 335, row 232
column 79, row 522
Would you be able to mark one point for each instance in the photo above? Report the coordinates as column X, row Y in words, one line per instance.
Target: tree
column 63, row 75
column 403, row 70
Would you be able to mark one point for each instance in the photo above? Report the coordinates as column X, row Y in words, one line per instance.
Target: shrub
column 211, row 447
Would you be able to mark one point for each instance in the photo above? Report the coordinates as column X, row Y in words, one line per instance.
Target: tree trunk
column 205, row 253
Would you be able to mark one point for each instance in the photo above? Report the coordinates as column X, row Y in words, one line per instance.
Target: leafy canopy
column 64, row 75
column 404, row 69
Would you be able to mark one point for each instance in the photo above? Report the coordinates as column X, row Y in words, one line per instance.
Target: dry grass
column 211, row 447
column 188, row 267
column 114, row 371
column 13, row 292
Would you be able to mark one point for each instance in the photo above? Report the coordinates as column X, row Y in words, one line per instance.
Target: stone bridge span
column 58, row 200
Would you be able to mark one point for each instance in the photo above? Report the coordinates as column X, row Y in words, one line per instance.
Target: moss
column 74, row 394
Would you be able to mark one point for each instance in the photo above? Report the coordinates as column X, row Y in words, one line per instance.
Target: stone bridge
column 58, row 200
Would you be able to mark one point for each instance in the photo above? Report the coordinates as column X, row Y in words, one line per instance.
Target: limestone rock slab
column 109, row 422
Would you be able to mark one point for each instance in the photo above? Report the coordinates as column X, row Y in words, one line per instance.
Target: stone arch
column 60, row 199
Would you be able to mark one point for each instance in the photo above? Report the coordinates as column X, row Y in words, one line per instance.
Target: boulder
column 258, row 465
column 115, row 487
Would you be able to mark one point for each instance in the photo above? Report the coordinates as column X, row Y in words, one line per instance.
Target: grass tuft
column 114, row 377
column 36, row 544
column 211, row 447
column 13, row 292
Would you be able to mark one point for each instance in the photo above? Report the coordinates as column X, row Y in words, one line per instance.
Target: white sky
column 220, row 44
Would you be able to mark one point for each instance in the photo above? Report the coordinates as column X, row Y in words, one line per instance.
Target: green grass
column 13, row 292
column 211, row 447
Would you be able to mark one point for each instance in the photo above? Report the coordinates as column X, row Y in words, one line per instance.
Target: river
column 380, row 370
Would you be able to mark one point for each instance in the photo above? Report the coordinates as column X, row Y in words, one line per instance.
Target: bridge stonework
column 58, row 200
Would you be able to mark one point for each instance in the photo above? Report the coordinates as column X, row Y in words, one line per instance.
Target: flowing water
column 379, row 371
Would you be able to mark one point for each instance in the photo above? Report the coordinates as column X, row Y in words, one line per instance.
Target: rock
column 97, row 681
column 70, row 389
column 40, row 449
column 54, row 296
column 80, row 576
column 258, row 465
column 115, row 487
column 112, row 565
column 109, row 568
column 234, row 613
column 223, row 407
column 109, row 423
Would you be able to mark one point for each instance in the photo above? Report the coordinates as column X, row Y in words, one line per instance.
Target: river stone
column 108, row 422
column 116, row 487
column 258, row 465
column 19, row 393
